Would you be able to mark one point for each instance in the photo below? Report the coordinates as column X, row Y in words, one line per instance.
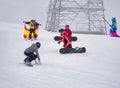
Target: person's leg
column 26, row 59
column 30, row 35
column 32, row 57
column 34, row 33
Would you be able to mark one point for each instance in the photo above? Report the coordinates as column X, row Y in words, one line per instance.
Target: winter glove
column 59, row 42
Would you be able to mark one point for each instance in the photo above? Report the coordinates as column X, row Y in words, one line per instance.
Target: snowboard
column 114, row 34
column 27, row 32
column 72, row 50
column 29, row 64
column 73, row 38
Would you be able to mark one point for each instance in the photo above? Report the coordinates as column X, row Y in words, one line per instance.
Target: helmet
column 113, row 19
column 61, row 31
column 33, row 20
column 38, row 44
column 66, row 25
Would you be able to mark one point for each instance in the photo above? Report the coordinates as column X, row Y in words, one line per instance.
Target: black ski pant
column 30, row 57
column 32, row 31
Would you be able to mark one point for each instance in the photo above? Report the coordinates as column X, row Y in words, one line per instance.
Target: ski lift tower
column 83, row 16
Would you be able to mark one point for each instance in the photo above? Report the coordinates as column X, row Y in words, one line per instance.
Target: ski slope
column 97, row 68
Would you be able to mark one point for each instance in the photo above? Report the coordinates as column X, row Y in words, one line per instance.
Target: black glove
column 59, row 42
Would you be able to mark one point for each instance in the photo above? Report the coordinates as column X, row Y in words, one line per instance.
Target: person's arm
column 61, row 39
column 38, row 57
column 26, row 22
column 38, row 24
column 36, row 61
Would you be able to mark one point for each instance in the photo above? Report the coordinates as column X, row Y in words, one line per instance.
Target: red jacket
column 65, row 38
column 68, row 31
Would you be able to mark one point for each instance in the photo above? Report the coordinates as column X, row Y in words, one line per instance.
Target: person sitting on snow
column 68, row 30
column 33, row 25
column 32, row 53
column 65, row 38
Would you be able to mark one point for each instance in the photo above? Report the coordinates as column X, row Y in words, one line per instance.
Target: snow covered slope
column 97, row 68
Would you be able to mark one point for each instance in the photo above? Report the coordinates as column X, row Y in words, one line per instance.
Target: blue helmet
column 113, row 19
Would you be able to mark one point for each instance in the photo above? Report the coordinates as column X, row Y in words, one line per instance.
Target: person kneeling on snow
column 32, row 53
column 65, row 38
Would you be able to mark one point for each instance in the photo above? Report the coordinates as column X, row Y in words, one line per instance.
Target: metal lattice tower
column 83, row 16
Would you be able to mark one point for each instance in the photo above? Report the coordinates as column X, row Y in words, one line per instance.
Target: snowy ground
column 97, row 68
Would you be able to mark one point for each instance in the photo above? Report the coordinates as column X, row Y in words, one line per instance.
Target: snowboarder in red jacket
column 68, row 30
column 65, row 38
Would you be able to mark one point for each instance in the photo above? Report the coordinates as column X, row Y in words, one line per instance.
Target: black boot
column 30, row 36
column 35, row 36
column 26, row 59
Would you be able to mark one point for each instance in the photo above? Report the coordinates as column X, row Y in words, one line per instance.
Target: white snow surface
column 99, row 67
